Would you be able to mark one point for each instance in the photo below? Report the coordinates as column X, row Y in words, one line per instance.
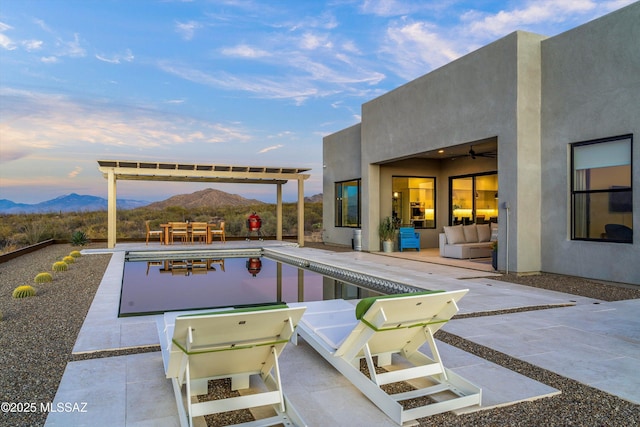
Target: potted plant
column 387, row 232
column 494, row 255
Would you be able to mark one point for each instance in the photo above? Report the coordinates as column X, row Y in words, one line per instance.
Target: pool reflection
column 157, row 286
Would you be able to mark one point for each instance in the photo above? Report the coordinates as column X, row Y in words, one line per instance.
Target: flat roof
column 199, row 172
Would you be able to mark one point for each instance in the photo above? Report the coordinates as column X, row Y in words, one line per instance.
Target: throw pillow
column 484, row 232
column 454, row 234
column 494, row 232
column 470, row 233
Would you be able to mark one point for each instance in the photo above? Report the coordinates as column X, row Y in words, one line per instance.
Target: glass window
column 348, row 203
column 474, row 199
column 601, row 201
column 414, row 201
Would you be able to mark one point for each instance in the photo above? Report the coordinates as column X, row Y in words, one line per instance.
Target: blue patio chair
column 408, row 238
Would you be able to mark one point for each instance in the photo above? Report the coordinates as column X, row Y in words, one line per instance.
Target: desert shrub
column 24, row 291
column 60, row 266
column 43, row 278
column 79, row 238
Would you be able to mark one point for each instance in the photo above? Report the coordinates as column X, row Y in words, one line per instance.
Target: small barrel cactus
column 69, row 259
column 43, row 278
column 75, row 254
column 60, row 266
column 24, row 291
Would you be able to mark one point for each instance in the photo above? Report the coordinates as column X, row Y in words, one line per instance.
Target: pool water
column 156, row 286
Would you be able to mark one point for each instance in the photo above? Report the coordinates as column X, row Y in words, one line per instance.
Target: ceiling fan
column 488, row 154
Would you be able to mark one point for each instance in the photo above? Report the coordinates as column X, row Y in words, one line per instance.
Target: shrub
column 24, row 291
column 60, row 266
column 75, row 254
column 43, row 278
column 79, row 238
column 69, row 259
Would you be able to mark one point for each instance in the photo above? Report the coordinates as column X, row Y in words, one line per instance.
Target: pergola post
column 111, row 209
column 279, row 212
column 301, row 212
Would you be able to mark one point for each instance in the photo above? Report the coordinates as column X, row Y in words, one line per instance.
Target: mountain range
column 85, row 203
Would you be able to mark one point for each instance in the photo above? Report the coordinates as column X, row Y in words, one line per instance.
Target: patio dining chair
column 218, row 232
column 199, row 231
column 151, row 232
column 179, row 230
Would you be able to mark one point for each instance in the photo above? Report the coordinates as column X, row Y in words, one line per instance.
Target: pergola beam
column 130, row 170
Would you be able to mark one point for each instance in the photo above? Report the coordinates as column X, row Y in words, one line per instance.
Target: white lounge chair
column 239, row 344
column 394, row 325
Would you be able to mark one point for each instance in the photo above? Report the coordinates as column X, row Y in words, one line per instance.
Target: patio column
column 279, row 212
column 111, row 209
column 301, row 212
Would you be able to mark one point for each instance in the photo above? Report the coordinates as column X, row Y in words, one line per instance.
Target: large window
column 474, row 199
column 414, row 201
column 348, row 203
column 601, row 193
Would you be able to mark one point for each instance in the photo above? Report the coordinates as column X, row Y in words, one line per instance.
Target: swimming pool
column 157, row 282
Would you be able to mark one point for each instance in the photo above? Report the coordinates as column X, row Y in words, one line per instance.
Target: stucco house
column 532, row 133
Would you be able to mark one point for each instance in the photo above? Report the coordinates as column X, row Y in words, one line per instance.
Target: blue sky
column 240, row 82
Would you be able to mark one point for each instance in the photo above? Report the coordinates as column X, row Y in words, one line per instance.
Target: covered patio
column 114, row 170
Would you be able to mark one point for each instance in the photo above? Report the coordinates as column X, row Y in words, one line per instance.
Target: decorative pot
column 494, row 260
column 387, row 246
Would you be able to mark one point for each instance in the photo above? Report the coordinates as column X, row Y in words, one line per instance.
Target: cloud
column 127, row 56
column 187, row 29
column 538, row 12
column 40, row 122
column 417, row 48
column 49, row 59
column 31, row 45
column 75, row 172
column 245, row 51
column 72, row 49
column 5, row 41
column 273, row 147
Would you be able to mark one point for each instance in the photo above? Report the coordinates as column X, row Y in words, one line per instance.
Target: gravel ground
column 37, row 336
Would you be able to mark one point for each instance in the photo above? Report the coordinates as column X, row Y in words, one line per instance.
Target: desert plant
column 43, row 278
column 24, row 291
column 75, row 254
column 69, row 259
column 387, row 229
column 60, row 266
column 79, row 238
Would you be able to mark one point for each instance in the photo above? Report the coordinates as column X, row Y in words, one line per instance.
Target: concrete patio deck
column 591, row 341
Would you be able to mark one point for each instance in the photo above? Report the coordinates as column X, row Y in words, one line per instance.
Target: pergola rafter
column 114, row 170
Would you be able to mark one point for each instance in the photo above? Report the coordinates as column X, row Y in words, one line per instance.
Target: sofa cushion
column 454, row 234
column 484, row 232
column 470, row 233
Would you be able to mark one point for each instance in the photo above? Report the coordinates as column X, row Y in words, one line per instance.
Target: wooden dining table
column 166, row 232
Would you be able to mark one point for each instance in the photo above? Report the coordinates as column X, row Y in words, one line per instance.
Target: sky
column 226, row 82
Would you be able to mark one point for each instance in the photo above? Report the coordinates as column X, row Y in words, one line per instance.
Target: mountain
column 316, row 198
column 208, row 197
column 69, row 203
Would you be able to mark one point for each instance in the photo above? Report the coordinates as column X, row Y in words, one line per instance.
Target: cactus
column 69, row 259
column 24, row 291
column 79, row 238
column 43, row 278
column 60, row 266
column 75, row 254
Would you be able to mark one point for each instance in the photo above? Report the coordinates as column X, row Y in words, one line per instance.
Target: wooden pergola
column 114, row 170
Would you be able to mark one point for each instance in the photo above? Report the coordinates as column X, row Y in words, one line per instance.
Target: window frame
column 338, row 196
column 573, row 193
column 433, row 224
